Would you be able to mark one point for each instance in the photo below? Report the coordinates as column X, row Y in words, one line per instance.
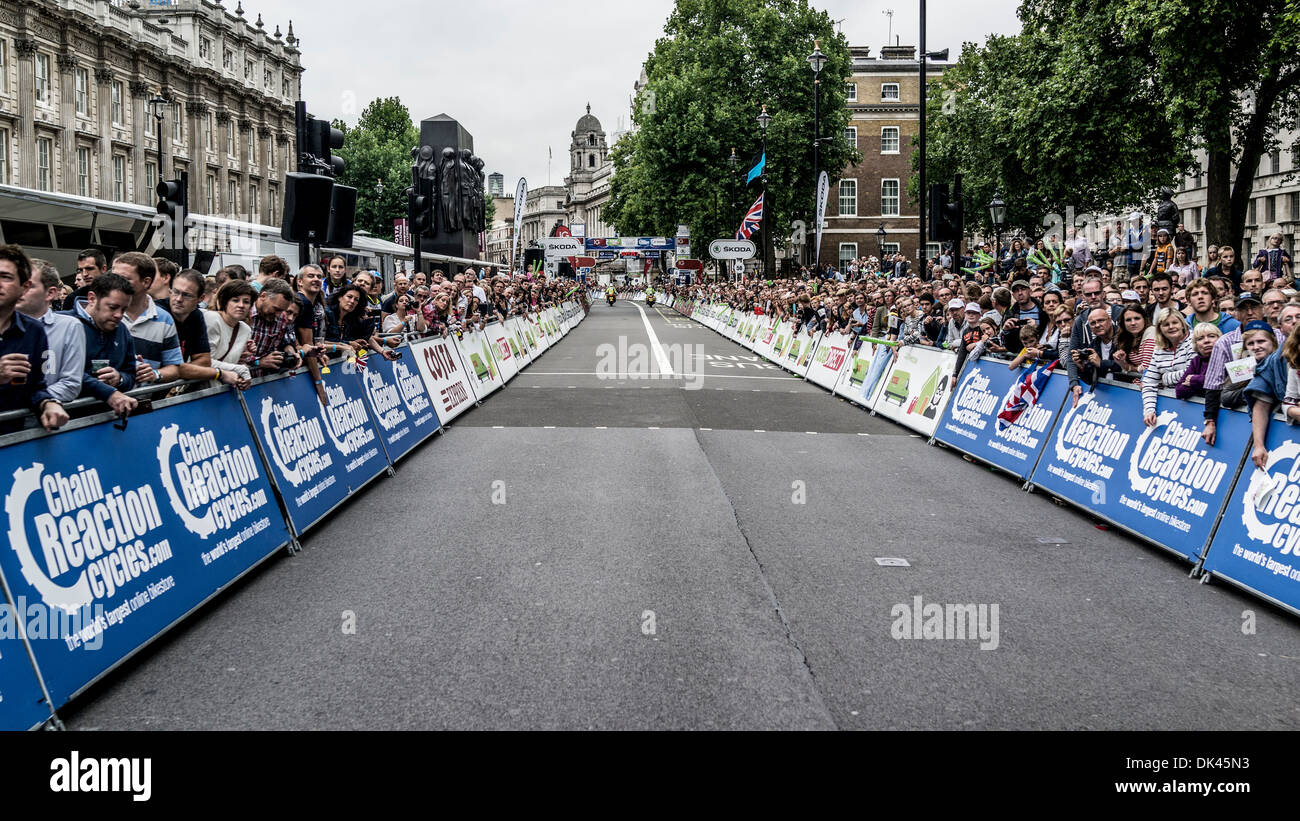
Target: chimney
column 898, row 53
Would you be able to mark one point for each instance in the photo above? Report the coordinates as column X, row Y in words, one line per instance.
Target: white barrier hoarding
column 832, row 356
column 864, row 373
column 917, row 387
column 498, row 336
column 518, row 341
column 480, row 367
column 444, row 375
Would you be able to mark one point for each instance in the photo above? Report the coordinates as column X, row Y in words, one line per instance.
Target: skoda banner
column 319, row 454
column 398, row 401
column 114, row 535
column 1258, row 541
column 1162, row 483
column 917, row 387
column 971, row 422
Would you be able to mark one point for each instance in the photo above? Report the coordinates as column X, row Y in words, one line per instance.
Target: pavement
column 610, row 543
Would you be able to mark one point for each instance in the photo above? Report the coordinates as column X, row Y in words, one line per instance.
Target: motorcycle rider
column 610, row 293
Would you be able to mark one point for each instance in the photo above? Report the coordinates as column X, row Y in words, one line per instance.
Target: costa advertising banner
column 22, row 704
column 970, row 423
column 498, row 336
column 114, row 535
column 399, row 402
column 518, row 344
column 830, row 359
column 1162, row 483
column 1258, row 542
column 917, row 387
column 481, row 368
column 444, row 377
column 319, row 454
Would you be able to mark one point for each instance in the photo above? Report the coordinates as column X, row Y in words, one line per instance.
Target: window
column 1274, row 161
column 43, row 78
column 178, row 128
column 119, row 177
column 248, row 69
column 208, row 129
column 851, row 134
column 889, row 198
column 270, row 152
column 116, row 94
column 232, row 196
column 267, row 78
column 559, row 204
column 83, row 171
column 228, row 59
column 848, row 252
column 1196, row 177
column 44, row 170
column 889, row 139
column 1250, row 220
column 4, row 66
column 252, row 146
column 4, row 152
column 205, row 48
column 273, row 202
column 150, row 177
column 890, row 247
column 210, row 193
column 230, row 138
column 286, row 87
column 591, row 160
column 851, row 92
column 931, row 250
column 1293, row 206
column 1270, row 208
column 83, row 92
column 848, row 198
column 252, row 202
column 888, row 91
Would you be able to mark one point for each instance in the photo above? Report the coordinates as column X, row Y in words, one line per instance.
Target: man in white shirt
column 64, row 334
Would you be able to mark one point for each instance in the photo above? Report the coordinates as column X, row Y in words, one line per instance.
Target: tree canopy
column 378, row 148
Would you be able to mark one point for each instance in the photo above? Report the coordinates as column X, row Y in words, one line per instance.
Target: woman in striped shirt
column 1173, row 353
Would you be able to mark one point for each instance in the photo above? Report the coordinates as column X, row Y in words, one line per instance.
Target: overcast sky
column 517, row 75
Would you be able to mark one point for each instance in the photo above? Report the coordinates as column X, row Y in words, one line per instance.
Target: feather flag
column 760, row 163
column 1025, row 395
column 753, row 220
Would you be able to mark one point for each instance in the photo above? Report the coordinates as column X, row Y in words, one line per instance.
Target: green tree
column 718, row 62
column 378, row 148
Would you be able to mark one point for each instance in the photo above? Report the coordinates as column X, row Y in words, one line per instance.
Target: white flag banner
column 521, row 194
column 823, row 191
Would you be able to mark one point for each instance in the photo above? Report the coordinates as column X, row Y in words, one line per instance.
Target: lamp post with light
column 997, row 215
column 816, row 61
column 764, row 120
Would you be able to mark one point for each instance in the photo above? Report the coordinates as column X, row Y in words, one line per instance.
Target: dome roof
column 588, row 123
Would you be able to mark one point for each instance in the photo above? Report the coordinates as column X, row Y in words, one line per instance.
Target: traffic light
column 325, row 139
column 946, row 216
column 173, row 205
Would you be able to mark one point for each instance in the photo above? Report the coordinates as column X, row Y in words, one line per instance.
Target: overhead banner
column 521, row 195
column 970, row 423
column 917, row 387
column 398, row 402
column 319, row 454
column 498, row 336
column 1162, row 483
column 115, row 535
column 1258, row 542
column 444, row 377
column 830, row 360
column 480, row 367
column 823, row 192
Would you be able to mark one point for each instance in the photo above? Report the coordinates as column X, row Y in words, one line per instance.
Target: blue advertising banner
column 318, row 454
column 398, row 402
column 971, row 422
column 1258, row 541
column 1161, row 483
column 117, row 534
column 22, row 704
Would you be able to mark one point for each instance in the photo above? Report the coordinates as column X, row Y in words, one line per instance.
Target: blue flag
column 757, row 170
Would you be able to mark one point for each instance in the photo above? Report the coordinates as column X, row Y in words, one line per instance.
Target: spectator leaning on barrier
column 65, row 340
column 1024, row 310
column 270, row 326
column 157, row 346
column 1259, row 339
column 24, row 349
column 1081, row 333
column 191, row 330
column 1229, row 348
column 311, row 323
column 348, row 324
column 1172, row 356
column 1204, row 335
column 1135, row 340
column 228, row 332
column 1094, row 360
column 110, row 365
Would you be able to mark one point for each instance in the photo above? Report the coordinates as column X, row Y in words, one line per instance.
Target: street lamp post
column 156, row 106
column 817, row 61
column 997, row 215
column 734, row 162
column 880, row 244
column 764, row 120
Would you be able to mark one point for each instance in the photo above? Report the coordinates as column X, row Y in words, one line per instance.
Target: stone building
column 544, row 208
column 884, row 96
column 590, row 172
column 85, row 86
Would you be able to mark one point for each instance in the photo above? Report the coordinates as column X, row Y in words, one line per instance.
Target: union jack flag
column 1025, row 395
column 752, row 221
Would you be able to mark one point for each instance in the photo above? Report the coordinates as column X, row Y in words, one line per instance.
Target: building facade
column 86, row 85
column 501, row 233
column 544, row 209
column 590, row 173
column 884, row 96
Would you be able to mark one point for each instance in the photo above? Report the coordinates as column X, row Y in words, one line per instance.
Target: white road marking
column 548, row 427
column 498, row 427
column 660, row 356
column 652, row 427
column 756, row 430
column 602, row 427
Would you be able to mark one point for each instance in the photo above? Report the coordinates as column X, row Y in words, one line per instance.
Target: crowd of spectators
column 142, row 321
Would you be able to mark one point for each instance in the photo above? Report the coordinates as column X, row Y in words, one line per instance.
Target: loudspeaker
column 342, row 215
column 307, row 203
column 203, row 261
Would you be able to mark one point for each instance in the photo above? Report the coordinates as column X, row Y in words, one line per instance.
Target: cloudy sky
column 518, row 74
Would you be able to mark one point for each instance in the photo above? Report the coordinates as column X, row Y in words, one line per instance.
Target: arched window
column 591, row 160
column 591, row 139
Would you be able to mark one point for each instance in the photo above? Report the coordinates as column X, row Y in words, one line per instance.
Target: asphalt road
column 699, row 550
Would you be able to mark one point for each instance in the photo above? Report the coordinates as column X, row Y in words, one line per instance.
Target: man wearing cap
column 969, row 334
column 1228, row 349
column 1024, row 309
column 951, row 335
